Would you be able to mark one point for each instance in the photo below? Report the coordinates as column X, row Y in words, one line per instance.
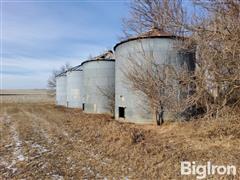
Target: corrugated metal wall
column 98, row 78
column 162, row 50
column 74, row 89
column 61, row 90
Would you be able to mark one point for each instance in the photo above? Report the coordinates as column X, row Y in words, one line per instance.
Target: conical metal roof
column 154, row 32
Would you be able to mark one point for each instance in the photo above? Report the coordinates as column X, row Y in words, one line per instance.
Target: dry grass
column 66, row 143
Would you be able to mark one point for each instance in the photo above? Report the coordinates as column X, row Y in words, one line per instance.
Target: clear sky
column 39, row 36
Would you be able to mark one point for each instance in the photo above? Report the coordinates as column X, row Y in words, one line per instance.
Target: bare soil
column 42, row 141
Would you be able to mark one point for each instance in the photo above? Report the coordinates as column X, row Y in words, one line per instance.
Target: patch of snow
column 57, row 177
column 16, row 141
column 18, row 144
column 65, row 133
column 88, row 170
column 8, row 145
column 3, row 163
column 44, row 166
column 40, row 148
column 8, row 166
column 20, row 157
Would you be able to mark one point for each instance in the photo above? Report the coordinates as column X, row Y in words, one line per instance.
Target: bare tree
column 215, row 36
column 52, row 78
column 218, row 45
column 161, row 14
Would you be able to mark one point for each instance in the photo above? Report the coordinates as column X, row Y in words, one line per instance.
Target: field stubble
column 42, row 141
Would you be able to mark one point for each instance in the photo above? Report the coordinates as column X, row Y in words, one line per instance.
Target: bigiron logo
column 209, row 169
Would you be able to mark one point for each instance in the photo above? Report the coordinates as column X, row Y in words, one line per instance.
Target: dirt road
column 41, row 141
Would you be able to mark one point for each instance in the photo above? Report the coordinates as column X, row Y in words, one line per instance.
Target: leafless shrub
column 219, row 54
column 137, row 136
column 109, row 94
column 159, row 83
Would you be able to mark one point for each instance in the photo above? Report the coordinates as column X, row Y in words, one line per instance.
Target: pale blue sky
column 41, row 35
column 38, row 37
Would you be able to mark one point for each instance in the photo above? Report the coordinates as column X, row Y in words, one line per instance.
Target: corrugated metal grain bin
column 98, row 82
column 130, row 106
column 74, row 87
column 61, row 90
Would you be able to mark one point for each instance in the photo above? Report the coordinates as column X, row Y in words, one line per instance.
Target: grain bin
column 74, row 87
column 130, row 106
column 61, row 89
column 99, row 85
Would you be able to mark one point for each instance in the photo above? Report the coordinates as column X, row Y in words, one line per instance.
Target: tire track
column 15, row 147
column 60, row 132
column 51, row 148
column 78, row 146
column 96, row 165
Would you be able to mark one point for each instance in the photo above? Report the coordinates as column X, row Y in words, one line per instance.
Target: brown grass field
column 42, row 141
